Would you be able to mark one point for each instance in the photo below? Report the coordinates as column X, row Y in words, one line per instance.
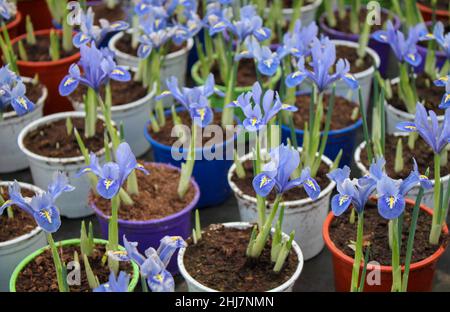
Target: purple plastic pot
column 440, row 56
column 149, row 233
column 382, row 49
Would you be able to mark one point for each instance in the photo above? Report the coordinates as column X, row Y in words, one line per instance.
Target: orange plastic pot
column 50, row 74
column 420, row 276
column 38, row 12
column 427, row 13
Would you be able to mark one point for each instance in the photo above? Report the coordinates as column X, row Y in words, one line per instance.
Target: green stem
column 358, row 253
column 436, row 226
column 365, row 127
column 396, row 267
column 188, row 166
column 113, row 226
column 62, row 284
column 227, row 112
column 156, row 79
column 144, row 283
column 90, row 107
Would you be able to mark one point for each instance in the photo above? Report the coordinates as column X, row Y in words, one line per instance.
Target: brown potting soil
column 40, row 51
column 343, row 25
column 246, row 74
column 342, row 232
column 440, row 4
column 157, row 198
column 34, row 92
column 340, row 118
column 52, row 140
column 351, row 54
column 164, row 135
column 218, row 261
column 112, row 15
column 124, row 45
column 21, row 224
column 426, row 91
column 122, row 92
column 297, row 193
column 40, row 275
column 421, row 152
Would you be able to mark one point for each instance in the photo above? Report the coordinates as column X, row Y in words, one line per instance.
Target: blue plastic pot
column 210, row 175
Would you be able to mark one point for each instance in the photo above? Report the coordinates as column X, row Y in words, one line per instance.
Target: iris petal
column 340, row 203
column 263, row 184
column 391, row 207
column 68, row 85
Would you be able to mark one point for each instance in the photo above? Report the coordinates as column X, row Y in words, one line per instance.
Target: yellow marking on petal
column 108, row 183
column 118, row 72
column 22, row 102
column 264, row 181
column 165, row 92
column 412, row 57
column 254, row 121
column 268, row 62
column 47, row 214
column 429, row 36
column 343, row 199
column 83, row 37
column 296, row 74
column 143, row 6
column 245, row 52
column 285, row 106
column 261, row 31
column 391, row 201
column 201, row 112
column 157, row 22
column 411, row 127
column 114, row 25
column 310, row 184
column 219, row 24
column 159, row 278
column 295, row 50
column 9, row 201
column 423, row 177
column 383, row 37
column 140, row 166
column 69, row 81
column 444, row 78
column 350, row 76
column 447, row 97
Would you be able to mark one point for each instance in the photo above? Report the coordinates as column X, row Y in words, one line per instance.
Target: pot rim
column 281, row 288
column 384, row 268
column 16, row 21
column 47, row 120
column 67, row 242
column 185, row 210
column 12, row 115
column 287, row 204
column 116, row 37
column 428, row 10
column 33, row 232
column 44, row 32
column 309, row 7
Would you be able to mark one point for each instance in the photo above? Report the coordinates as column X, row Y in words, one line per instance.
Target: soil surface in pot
column 122, row 92
column 376, row 232
column 297, row 193
column 427, row 92
column 440, row 4
column 40, row 51
column 52, row 140
column 124, row 45
column 40, row 275
column 357, row 65
column 164, row 134
column 34, row 93
column 340, row 119
column 218, row 261
column 343, row 24
column 157, row 198
column 21, row 224
column 424, row 158
column 246, row 74
column 112, row 15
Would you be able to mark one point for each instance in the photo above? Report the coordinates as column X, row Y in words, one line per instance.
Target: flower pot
column 134, row 117
column 304, row 216
column 382, row 49
column 364, row 78
column 69, row 242
column 73, row 204
column 11, row 158
column 13, row 27
column 211, row 175
column 428, row 195
column 148, row 233
column 308, row 12
column 50, row 74
column 38, row 12
column 427, row 13
column 14, row 250
column 420, row 276
column 395, row 115
column 440, row 56
column 195, row 286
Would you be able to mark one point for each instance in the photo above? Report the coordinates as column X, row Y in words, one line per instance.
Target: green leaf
column 399, row 163
column 91, row 277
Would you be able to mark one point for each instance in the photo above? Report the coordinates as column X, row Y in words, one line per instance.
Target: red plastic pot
column 420, row 276
column 38, row 12
column 50, row 74
column 13, row 26
column 427, row 13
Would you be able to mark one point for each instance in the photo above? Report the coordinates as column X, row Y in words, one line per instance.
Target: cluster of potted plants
column 269, row 110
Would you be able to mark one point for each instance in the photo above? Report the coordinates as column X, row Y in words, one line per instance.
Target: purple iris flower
column 444, row 82
column 113, row 174
column 323, row 59
column 404, row 49
column 157, row 32
column 98, row 68
column 216, row 19
column 188, row 30
column 250, row 24
column 442, row 39
column 12, row 92
column 426, row 124
column 258, row 115
column 7, row 9
column 268, row 61
column 115, row 285
column 41, row 206
column 298, row 43
column 91, row 33
column 276, row 174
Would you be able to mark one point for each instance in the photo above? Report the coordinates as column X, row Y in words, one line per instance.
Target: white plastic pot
column 195, row 286
column 16, row 249
column 308, row 14
column 428, row 195
column 72, row 204
column 395, row 115
column 364, row 78
column 304, row 216
column 134, row 117
column 11, row 158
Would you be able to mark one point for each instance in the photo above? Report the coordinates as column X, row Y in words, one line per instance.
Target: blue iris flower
column 267, row 61
column 157, row 32
column 7, row 9
column 323, row 59
column 298, row 42
column 98, row 68
column 188, row 30
column 427, row 125
column 444, row 82
column 405, row 49
column 113, row 174
column 442, row 39
column 264, row 109
column 216, row 19
column 276, row 174
column 12, row 92
column 41, row 206
column 119, row 284
column 250, row 24
column 90, row 33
